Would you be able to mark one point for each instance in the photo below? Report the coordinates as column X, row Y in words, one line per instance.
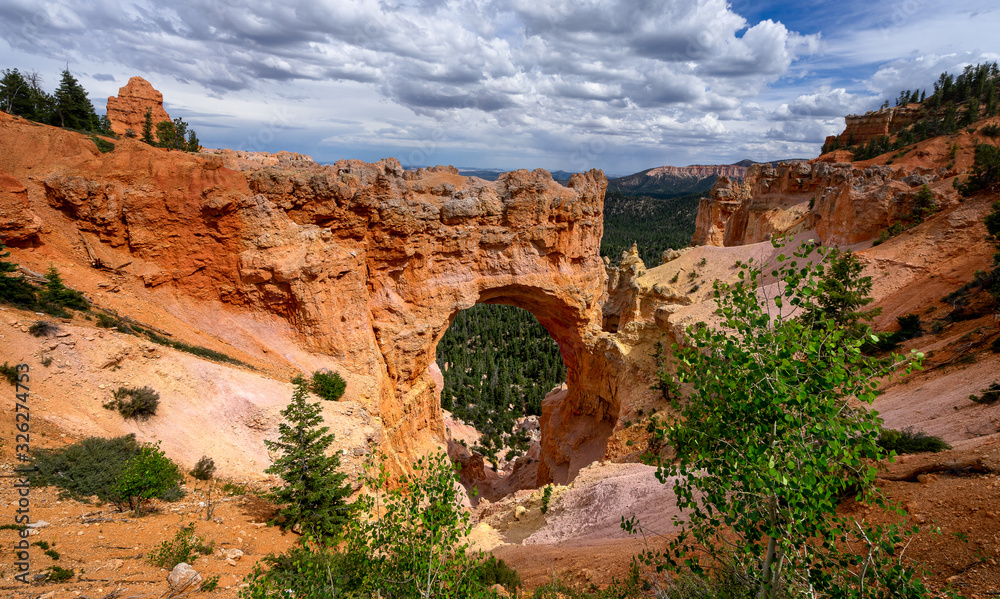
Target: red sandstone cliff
column 863, row 127
column 366, row 263
column 127, row 110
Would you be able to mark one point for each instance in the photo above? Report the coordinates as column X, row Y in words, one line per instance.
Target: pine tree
column 72, row 106
column 314, row 495
column 842, row 293
column 15, row 94
column 147, row 127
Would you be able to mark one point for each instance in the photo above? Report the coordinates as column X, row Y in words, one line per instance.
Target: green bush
column 493, row 571
column 147, row 475
column 184, row 547
column 546, row 497
column 9, row 372
column 59, row 574
column 988, row 395
column 910, row 441
column 43, row 328
column 85, row 468
column 210, row 584
column 328, row 385
column 103, row 145
column 139, row 403
column 992, row 130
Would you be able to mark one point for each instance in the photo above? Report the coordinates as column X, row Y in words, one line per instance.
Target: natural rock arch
column 367, row 263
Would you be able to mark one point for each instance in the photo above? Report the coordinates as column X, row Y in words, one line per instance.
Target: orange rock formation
column 863, row 127
column 128, row 109
column 367, row 263
column 844, row 203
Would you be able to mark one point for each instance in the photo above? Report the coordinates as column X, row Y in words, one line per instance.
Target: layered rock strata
column 843, row 203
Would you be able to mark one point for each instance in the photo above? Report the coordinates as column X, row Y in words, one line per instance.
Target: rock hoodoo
column 128, row 109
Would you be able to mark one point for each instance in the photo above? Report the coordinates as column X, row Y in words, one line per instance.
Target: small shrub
column 9, row 526
column 204, row 469
column 139, row 403
column 989, row 395
column 103, row 145
column 703, row 262
column 210, row 584
column 995, row 346
column 185, row 547
column 43, row 328
column 52, row 553
column 42, row 544
column 910, row 441
column 47, row 361
column 9, row 372
column 496, row 571
column 546, row 497
column 58, row 574
column 675, row 277
column 328, row 385
column 991, row 130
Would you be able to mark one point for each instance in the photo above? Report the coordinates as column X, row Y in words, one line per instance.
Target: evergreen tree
column 147, row 127
column 314, row 495
column 15, row 94
column 14, row 289
column 842, row 293
column 72, row 106
column 193, row 145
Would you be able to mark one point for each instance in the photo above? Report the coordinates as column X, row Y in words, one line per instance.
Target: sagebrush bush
column 988, row 395
column 328, row 385
column 204, row 469
column 43, row 328
column 909, row 440
column 139, row 403
column 85, row 468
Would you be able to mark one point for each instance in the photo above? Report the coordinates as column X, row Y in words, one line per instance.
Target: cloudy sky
column 559, row 84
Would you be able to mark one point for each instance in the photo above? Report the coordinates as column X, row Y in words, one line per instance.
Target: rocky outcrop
column 862, row 128
column 128, row 109
column 18, row 224
column 366, row 262
column 843, row 203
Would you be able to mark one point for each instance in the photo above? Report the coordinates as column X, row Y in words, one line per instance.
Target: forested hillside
column 655, row 224
column 498, row 363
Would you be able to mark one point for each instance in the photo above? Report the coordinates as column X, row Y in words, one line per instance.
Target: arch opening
column 497, row 362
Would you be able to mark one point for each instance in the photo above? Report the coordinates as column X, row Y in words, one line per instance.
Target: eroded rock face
column 861, row 128
column 845, row 204
column 368, row 263
column 127, row 110
column 18, row 224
